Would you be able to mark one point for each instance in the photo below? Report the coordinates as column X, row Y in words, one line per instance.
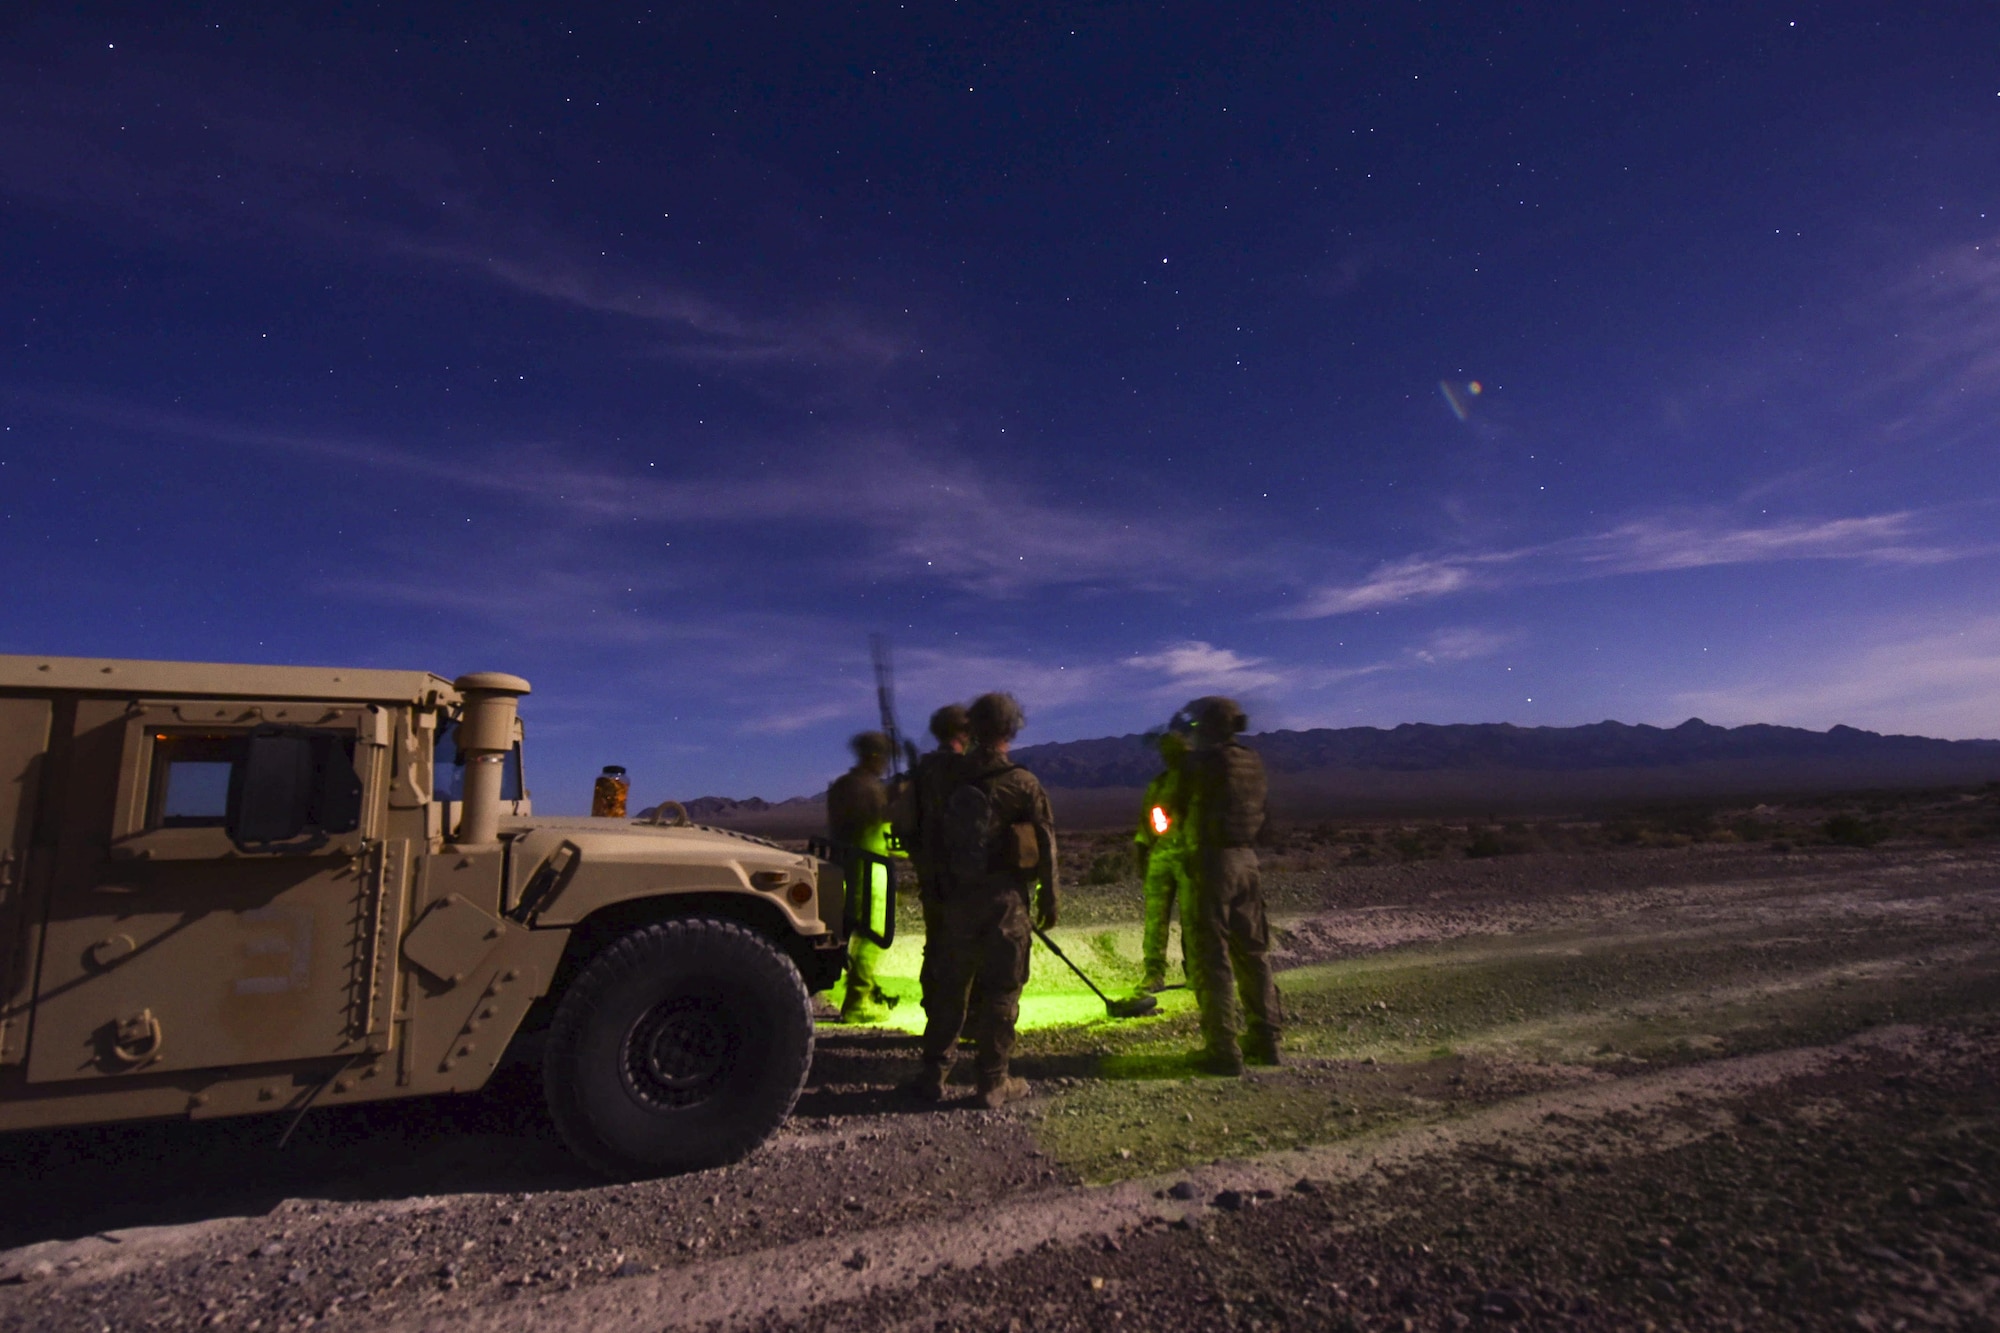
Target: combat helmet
column 950, row 721
column 1215, row 718
column 996, row 717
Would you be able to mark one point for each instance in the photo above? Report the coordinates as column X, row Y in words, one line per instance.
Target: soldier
column 1160, row 848
column 1222, row 908
column 998, row 839
column 857, row 813
column 920, row 830
column 931, row 780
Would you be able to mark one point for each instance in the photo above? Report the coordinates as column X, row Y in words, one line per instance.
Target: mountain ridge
column 1415, row 747
column 1468, row 749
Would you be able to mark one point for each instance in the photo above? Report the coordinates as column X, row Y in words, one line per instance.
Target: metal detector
column 1133, row 1006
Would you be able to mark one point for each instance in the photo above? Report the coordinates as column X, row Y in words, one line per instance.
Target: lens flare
column 1458, row 397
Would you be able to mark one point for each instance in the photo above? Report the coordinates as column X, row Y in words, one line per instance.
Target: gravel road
column 1826, row 1173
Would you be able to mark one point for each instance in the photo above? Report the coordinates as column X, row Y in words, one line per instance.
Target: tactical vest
column 1232, row 791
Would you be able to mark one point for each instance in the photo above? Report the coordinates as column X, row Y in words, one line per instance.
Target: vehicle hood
column 644, row 839
column 598, row 862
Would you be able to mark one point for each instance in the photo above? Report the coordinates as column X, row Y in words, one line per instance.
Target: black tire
column 681, row 1046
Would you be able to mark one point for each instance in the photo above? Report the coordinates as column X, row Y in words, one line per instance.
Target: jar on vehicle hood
column 607, row 798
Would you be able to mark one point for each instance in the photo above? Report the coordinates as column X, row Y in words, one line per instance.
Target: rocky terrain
column 1608, row 1085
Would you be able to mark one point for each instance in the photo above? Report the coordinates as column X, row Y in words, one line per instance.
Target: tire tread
column 638, row 951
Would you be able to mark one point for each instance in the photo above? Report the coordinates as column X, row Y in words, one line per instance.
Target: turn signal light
column 800, row 893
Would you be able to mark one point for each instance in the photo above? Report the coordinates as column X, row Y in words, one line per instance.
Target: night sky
column 1109, row 354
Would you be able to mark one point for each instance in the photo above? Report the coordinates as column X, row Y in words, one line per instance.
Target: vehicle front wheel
column 681, row 1046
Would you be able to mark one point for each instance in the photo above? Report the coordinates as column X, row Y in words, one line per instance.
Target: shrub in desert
column 1420, row 843
column 1509, row 840
column 1749, row 828
column 1485, row 842
column 1107, row 867
column 1853, row 831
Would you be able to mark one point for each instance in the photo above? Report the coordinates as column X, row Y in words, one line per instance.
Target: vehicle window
column 448, row 775
column 190, row 779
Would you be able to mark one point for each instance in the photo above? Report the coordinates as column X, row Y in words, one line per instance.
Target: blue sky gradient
column 1110, row 354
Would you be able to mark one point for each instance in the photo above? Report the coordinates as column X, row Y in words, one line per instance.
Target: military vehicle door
column 220, row 896
column 24, row 738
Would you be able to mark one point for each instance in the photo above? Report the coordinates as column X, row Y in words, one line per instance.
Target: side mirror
column 291, row 781
column 870, row 882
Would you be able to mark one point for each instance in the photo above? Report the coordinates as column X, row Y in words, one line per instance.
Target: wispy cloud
column 198, row 152
column 1180, row 671
column 945, row 675
column 840, row 685
column 912, row 510
column 702, row 328
column 785, row 722
column 304, row 169
column 1462, row 644
column 999, row 536
column 1944, row 318
column 1655, row 544
column 534, row 598
column 1198, row 665
column 1640, row 546
column 1054, row 694
column 1411, row 578
column 1935, row 682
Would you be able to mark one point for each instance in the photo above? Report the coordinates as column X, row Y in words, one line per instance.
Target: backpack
column 1243, row 791
column 977, row 842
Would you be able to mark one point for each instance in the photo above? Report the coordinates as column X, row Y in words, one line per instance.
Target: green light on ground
column 1053, row 997
column 1061, row 1010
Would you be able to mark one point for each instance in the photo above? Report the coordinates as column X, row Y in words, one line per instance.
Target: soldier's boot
column 996, row 1093
column 1261, row 1048
column 1155, row 982
column 861, row 1007
column 928, row 1085
column 1225, row 1062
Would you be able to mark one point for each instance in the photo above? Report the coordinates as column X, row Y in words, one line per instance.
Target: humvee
column 228, row 890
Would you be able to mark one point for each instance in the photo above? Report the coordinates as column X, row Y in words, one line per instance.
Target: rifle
column 900, row 750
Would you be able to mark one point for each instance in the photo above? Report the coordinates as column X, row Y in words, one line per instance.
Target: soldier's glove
column 1045, row 909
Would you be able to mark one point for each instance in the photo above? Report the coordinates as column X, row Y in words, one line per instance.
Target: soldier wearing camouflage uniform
column 857, row 813
column 920, row 827
column 1222, row 909
column 998, row 837
column 931, row 781
column 1160, row 848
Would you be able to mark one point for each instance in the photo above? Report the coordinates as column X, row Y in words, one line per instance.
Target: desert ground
column 1674, row 1068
